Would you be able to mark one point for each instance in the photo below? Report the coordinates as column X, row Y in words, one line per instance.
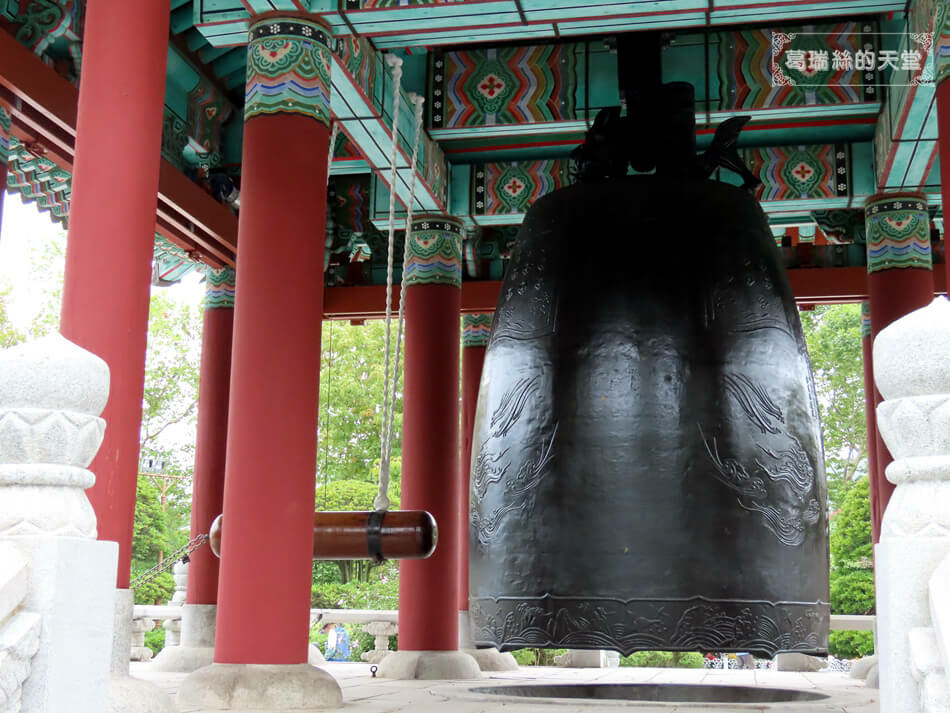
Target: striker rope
column 381, row 502
column 382, row 499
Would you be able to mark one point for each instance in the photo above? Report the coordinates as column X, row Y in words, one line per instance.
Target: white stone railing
column 380, row 623
column 853, row 622
column 19, row 629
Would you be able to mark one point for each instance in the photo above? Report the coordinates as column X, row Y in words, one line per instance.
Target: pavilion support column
column 263, row 616
column 108, row 266
column 428, row 589
column 900, row 280
column 196, row 648
column 943, row 143
column 870, row 420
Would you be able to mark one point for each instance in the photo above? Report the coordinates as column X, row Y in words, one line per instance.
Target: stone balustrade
column 19, row 628
column 380, row 623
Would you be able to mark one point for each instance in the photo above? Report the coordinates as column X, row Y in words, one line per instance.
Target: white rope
column 332, row 149
column 381, row 502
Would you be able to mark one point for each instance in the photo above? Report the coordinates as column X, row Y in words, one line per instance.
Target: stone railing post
column 381, row 630
column 51, row 395
column 173, row 626
column 912, row 372
column 139, row 651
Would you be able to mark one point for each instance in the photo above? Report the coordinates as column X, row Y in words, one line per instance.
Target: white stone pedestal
column 493, row 660
column 71, row 588
column 429, row 666
column 912, row 372
column 196, row 649
column 902, row 568
column 260, row 687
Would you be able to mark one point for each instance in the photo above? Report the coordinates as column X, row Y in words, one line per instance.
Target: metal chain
column 181, row 554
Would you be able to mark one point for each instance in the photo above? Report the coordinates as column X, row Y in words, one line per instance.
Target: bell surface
column 647, row 466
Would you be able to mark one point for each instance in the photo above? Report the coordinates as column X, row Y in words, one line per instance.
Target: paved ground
column 364, row 694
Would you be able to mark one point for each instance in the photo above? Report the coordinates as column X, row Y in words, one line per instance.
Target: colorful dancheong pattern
column 865, row 319
column 435, row 252
column 898, row 232
column 503, row 188
column 752, row 67
column 507, row 85
column 288, row 69
column 219, row 288
column 6, row 123
column 800, row 172
column 476, row 329
column 841, row 227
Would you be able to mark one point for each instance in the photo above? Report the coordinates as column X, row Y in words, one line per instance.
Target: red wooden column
column 428, row 589
column 943, row 143
column 112, row 233
column 870, row 416
column 6, row 123
column 900, row 280
column 267, row 545
column 476, row 329
column 212, row 437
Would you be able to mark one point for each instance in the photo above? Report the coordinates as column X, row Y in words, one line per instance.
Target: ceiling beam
column 45, row 104
column 828, row 285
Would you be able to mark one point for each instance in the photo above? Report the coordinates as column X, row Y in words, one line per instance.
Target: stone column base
column 196, row 649
column 493, row 660
column 429, row 666
column 127, row 694
column 133, row 695
column 182, row 659
column 260, row 687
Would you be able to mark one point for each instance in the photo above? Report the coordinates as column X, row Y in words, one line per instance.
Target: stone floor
column 364, row 694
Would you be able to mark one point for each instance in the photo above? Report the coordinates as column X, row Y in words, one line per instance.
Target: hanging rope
column 332, row 149
column 396, row 64
column 383, row 496
column 381, row 502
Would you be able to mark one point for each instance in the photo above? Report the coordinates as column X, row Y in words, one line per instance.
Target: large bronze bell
column 647, row 468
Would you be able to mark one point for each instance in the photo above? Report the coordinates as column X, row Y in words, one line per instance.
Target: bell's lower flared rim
column 682, row 624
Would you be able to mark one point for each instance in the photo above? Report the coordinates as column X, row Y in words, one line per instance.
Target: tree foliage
column 351, row 397
column 833, row 333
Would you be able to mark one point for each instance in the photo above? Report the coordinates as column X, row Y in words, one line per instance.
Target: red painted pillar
column 112, row 233
column 943, row 142
column 3, row 189
column 900, row 280
column 428, row 589
column 212, row 437
column 267, row 545
column 476, row 329
column 870, row 418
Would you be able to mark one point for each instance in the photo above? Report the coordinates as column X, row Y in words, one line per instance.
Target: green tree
column 9, row 334
column 149, row 537
column 351, row 398
column 833, row 333
column 852, row 564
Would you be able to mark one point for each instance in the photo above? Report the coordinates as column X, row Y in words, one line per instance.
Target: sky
column 25, row 233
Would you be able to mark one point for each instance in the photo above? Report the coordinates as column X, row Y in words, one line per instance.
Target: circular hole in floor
column 661, row 693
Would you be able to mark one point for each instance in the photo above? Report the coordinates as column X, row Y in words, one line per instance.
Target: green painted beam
column 182, row 19
column 231, row 62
